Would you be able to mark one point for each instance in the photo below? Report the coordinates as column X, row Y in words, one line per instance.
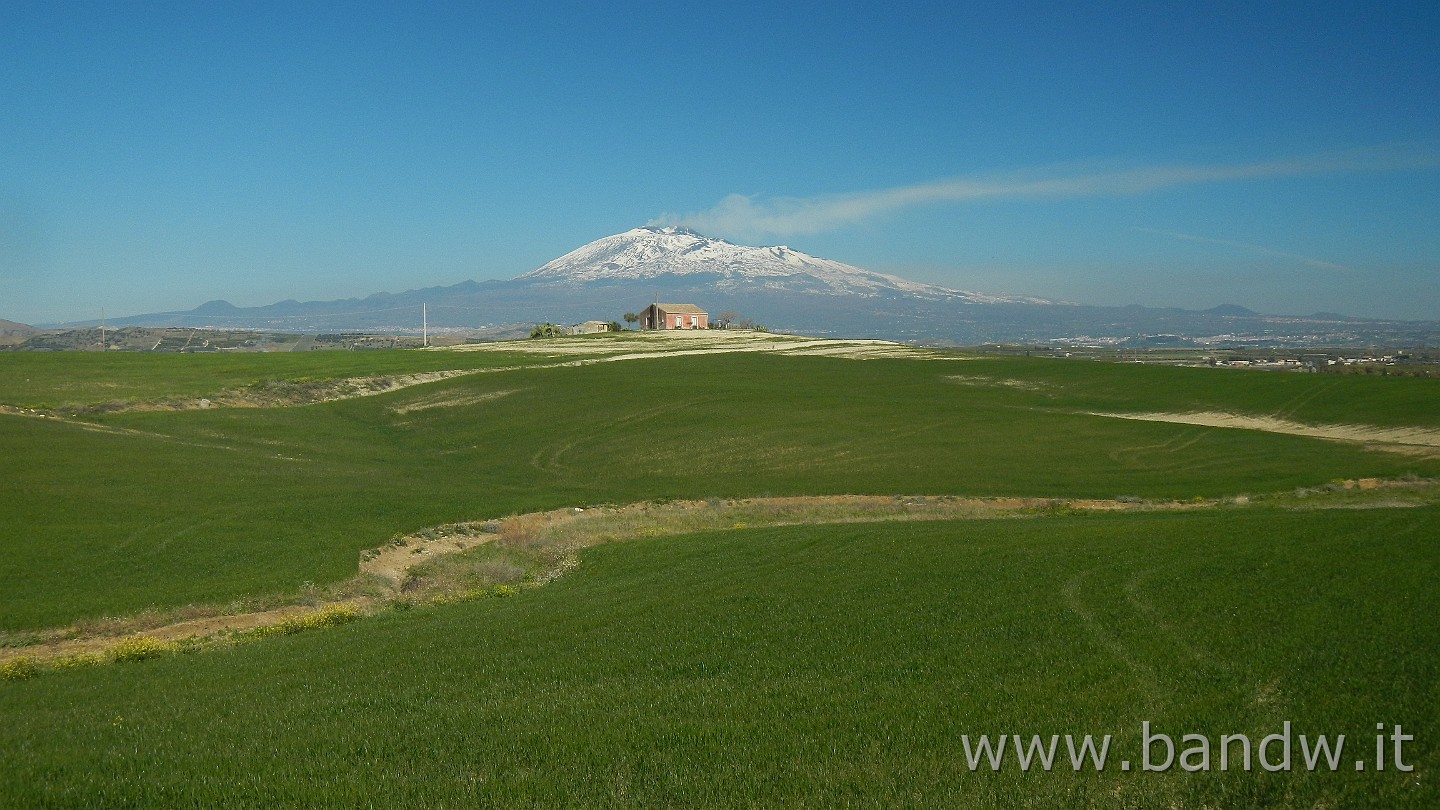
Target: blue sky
column 1283, row 156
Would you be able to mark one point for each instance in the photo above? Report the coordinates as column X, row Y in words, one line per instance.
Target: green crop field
column 820, row 665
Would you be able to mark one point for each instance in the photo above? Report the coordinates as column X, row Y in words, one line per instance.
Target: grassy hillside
column 805, row 666
column 59, row 379
column 816, row 665
column 120, row 512
column 1315, row 398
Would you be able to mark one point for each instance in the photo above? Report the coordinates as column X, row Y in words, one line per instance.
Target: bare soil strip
column 207, row 627
column 1404, row 440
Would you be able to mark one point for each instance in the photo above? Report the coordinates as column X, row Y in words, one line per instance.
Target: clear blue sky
column 1284, row 156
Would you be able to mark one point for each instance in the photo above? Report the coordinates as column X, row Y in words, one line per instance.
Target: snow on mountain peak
column 651, row 251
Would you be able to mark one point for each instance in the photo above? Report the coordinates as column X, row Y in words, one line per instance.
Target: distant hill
column 12, row 333
column 1231, row 311
column 783, row 289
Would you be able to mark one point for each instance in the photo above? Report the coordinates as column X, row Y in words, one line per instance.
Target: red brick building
column 674, row 316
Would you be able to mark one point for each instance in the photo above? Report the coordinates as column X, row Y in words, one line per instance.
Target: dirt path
column 1410, row 440
column 392, row 563
column 178, row 631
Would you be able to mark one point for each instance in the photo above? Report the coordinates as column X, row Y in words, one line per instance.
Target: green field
column 58, row 379
column 807, row 665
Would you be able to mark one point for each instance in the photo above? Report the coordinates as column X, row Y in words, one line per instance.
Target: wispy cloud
column 755, row 216
column 1267, row 251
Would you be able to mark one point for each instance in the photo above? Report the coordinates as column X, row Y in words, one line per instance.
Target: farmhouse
column 674, row 316
column 589, row 328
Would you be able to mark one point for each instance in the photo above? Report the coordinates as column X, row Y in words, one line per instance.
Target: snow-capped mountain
column 784, row 289
column 680, row 255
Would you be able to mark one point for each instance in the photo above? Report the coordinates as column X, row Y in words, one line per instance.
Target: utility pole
column 102, row 329
column 424, row 325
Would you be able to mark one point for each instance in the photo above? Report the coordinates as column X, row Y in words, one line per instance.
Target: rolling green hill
column 822, row 665
column 131, row 510
column 806, row 666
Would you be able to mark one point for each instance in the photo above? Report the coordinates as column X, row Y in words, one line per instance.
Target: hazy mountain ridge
column 784, row 289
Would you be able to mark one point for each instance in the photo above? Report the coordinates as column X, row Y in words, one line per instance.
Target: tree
column 726, row 318
column 547, row 330
column 631, row 318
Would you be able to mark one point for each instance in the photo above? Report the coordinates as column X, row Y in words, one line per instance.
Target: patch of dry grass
column 981, row 381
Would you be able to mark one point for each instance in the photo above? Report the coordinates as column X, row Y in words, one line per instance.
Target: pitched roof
column 681, row 309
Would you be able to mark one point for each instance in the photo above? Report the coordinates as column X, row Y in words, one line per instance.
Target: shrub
column 18, row 669
column 500, row 571
column 139, row 648
column 77, row 661
column 328, row 617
